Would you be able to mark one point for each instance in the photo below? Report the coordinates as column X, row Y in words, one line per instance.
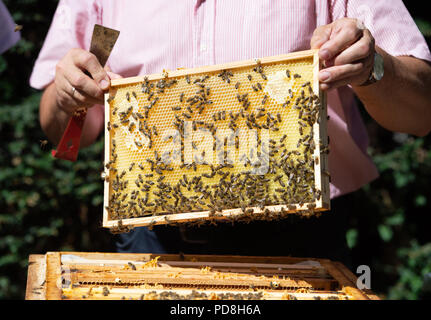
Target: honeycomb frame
column 147, row 276
column 318, row 135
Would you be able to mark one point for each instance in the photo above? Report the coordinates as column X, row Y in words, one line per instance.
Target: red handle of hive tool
column 101, row 45
column 68, row 147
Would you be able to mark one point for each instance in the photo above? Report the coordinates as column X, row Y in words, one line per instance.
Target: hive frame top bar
column 321, row 180
column 230, row 65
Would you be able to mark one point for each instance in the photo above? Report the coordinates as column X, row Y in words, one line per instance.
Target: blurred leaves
column 45, row 204
column 424, row 26
column 42, row 198
column 415, row 267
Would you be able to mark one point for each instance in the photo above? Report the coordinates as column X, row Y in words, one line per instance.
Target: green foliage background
column 49, row 205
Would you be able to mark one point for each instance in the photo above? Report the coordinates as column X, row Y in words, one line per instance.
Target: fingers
column 353, row 74
column 79, row 80
column 359, row 50
column 87, row 61
column 111, row 74
column 344, row 33
column 114, row 75
column 320, row 36
column 69, row 100
column 74, row 87
column 347, row 50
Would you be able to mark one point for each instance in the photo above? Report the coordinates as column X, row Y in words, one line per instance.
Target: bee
column 237, row 85
column 311, row 206
column 131, row 265
column 105, row 291
column 278, row 117
column 255, row 88
column 104, row 176
column 188, row 79
column 131, row 166
column 134, row 94
column 325, row 172
column 288, row 73
column 296, row 76
column 264, row 99
column 301, row 112
column 18, row 27
column 259, row 86
column 128, row 96
column 138, row 144
column 43, row 143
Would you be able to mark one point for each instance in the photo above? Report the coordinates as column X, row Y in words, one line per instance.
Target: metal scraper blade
column 102, row 43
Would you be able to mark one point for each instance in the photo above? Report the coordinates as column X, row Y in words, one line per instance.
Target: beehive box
column 78, row 275
column 243, row 140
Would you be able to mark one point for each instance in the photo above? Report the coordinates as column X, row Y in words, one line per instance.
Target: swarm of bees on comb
column 241, row 139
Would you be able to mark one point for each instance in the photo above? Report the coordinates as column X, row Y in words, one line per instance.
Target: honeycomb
column 235, row 142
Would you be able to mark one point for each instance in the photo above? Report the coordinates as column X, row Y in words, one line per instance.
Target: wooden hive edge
column 53, row 276
column 36, row 278
column 53, row 272
column 214, row 68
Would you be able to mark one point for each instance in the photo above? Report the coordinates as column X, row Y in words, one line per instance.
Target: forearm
column 54, row 120
column 401, row 101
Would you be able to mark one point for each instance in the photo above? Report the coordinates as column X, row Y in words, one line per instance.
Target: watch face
column 379, row 69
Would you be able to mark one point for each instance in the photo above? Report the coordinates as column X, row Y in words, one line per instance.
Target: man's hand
column 74, row 88
column 347, row 49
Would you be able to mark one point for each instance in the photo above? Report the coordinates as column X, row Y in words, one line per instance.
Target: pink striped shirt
column 163, row 34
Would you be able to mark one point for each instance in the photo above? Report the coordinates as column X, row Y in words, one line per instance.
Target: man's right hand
column 60, row 100
column 74, row 88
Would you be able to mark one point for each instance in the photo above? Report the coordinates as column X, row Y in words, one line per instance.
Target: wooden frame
column 320, row 139
column 78, row 275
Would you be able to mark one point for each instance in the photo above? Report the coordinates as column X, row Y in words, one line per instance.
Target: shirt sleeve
column 71, row 27
column 390, row 23
column 8, row 37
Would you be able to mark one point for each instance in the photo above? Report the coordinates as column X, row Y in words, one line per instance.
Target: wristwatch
column 377, row 72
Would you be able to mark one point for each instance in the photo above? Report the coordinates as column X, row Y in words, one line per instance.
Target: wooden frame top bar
column 213, row 68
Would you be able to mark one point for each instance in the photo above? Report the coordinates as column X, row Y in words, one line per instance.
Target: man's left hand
column 347, row 49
